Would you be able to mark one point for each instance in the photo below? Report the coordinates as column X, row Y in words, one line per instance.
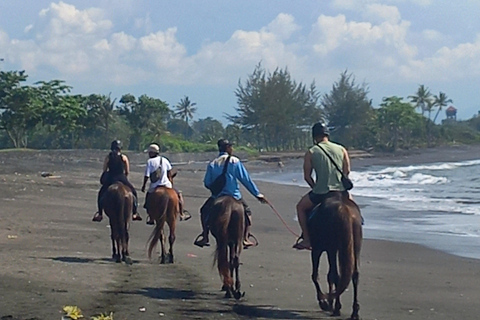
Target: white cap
column 153, row 148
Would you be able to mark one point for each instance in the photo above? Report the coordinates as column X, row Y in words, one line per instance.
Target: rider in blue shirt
column 235, row 172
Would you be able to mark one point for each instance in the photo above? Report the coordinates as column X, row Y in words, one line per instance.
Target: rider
column 159, row 171
column 235, row 170
column 116, row 167
column 328, row 178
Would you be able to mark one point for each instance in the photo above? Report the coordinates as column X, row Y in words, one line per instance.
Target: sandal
column 247, row 243
column 300, row 245
column 150, row 221
column 201, row 241
column 185, row 216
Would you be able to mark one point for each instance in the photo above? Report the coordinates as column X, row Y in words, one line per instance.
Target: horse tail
column 221, row 252
column 346, row 249
column 157, row 231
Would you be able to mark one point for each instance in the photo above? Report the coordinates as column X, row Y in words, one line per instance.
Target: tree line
column 273, row 113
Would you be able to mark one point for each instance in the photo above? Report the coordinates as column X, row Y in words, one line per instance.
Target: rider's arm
column 105, row 164
column 307, row 169
column 207, row 180
column 346, row 163
column 146, row 176
column 243, row 176
column 127, row 164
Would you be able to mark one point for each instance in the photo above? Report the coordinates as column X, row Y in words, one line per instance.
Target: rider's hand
column 261, row 198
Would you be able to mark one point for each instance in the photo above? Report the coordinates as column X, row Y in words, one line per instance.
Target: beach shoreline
column 51, row 255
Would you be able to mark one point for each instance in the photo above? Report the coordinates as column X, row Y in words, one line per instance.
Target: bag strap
column 225, row 166
column 330, row 157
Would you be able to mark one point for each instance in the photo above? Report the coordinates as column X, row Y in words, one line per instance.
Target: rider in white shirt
column 159, row 172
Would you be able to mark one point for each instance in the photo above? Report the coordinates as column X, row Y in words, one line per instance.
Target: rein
column 281, row 219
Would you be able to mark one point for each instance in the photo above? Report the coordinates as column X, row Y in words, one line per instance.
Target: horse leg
column 356, row 305
column 224, row 267
column 321, row 298
column 115, row 243
column 162, row 247
column 125, row 253
column 332, row 277
column 236, row 266
column 171, row 241
column 332, row 259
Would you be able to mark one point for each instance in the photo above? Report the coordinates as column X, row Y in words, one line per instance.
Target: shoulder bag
column 157, row 174
column 219, row 183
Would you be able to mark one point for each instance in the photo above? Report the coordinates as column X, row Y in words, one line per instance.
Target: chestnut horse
column 227, row 225
column 163, row 206
column 335, row 226
column 118, row 204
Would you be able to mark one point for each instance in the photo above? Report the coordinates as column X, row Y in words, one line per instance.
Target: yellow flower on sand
column 104, row 317
column 73, row 312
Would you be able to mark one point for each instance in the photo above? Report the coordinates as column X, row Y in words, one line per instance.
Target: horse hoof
column 238, row 294
column 336, row 313
column 324, row 305
column 128, row 260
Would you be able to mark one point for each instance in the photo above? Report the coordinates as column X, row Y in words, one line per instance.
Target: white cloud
column 380, row 12
column 432, row 35
column 282, row 26
column 85, row 45
column 460, row 62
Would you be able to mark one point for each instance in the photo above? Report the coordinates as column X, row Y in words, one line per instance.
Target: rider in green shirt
column 327, row 177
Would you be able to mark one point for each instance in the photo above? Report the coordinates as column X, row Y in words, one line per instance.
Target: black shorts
column 316, row 198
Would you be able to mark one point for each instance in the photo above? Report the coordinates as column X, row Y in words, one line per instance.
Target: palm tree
column 440, row 101
column 421, row 98
column 185, row 110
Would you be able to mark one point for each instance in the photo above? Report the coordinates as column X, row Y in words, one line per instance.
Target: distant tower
column 451, row 113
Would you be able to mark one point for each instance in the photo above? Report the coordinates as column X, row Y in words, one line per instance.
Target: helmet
column 319, row 129
column 116, row 145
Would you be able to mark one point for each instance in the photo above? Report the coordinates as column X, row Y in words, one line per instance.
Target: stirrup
column 185, row 216
column 299, row 244
column 253, row 243
column 201, row 241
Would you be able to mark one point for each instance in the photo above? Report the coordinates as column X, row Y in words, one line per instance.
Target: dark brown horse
column 227, row 224
column 118, row 203
column 163, row 207
column 336, row 227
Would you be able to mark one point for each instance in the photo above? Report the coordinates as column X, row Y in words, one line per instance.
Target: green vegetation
column 273, row 113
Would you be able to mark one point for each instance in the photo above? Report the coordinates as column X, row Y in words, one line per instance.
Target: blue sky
column 202, row 48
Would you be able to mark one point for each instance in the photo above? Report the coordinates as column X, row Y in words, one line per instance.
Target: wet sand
column 51, row 254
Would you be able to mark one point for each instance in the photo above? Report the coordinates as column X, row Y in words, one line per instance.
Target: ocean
column 434, row 204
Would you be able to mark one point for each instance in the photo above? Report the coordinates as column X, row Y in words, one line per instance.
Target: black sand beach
column 52, row 255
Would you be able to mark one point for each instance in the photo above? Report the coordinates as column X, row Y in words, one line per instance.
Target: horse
column 227, row 225
column 335, row 226
column 163, row 206
column 118, row 204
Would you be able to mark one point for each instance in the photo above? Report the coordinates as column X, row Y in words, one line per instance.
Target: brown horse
column 118, row 203
column 227, row 224
column 336, row 227
column 163, row 206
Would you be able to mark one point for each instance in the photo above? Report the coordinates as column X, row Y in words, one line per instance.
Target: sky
column 203, row 49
